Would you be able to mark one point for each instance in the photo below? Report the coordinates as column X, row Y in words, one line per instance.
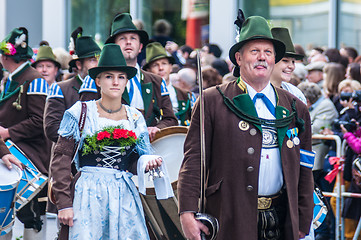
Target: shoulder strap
column 81, row 127
column 82, row 117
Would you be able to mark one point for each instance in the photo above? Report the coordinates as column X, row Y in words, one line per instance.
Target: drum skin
column 9, row 181
column 32, row 180
column 168, row 143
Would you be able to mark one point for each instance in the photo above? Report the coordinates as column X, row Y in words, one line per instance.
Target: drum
column 32, row 180
column 9, row 181
column 162, row 215
column 168, row 143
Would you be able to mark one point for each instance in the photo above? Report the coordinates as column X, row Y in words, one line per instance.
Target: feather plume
column 74, row 35
column 77, row 33
column 239, row 22
column 240, row 19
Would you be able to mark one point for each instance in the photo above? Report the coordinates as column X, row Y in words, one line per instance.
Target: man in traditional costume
column 21, row 119
column 159, row 62
column 64, row 94
column 258, row 150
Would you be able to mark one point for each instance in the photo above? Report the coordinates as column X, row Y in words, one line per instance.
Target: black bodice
column 120, row 158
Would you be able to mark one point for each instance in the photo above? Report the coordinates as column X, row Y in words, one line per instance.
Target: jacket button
column 250, row 150
column 250, row 169
column 253, row 131
column 249, row 188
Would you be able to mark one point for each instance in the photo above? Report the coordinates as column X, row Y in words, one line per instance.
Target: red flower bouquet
column 110, row 136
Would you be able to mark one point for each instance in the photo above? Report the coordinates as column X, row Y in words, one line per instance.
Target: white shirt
column 294, row 90
column 270, row 178
column 137, row 100
column 173, row 97
column 18, row 69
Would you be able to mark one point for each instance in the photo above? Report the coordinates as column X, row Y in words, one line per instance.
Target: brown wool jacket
column 56, row 106
column 3, row 148
column 158, row 111
column 26, row 126
column 233, row 157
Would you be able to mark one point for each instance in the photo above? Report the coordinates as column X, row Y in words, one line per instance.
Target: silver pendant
column 296, row 141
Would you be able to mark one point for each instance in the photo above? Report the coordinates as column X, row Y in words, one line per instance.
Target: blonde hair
column 353, row 84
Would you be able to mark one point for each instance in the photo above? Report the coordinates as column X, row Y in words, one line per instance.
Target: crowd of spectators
column 328, row 78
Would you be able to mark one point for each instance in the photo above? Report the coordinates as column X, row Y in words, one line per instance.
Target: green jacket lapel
column 281, row 112
column 125, row 96
column 245, row 103
column 147, row 93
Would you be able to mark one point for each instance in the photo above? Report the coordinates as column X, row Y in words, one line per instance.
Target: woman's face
column 284, row 68
column 112, row 83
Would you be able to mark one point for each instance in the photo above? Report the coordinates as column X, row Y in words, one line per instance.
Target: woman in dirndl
column 106, row 202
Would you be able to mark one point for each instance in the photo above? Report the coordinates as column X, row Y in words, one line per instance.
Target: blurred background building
column 323, row 23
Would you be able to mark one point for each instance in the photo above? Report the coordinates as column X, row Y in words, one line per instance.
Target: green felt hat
column 155, row 51
column 122, row 23
column 85, row 47
column 254, row 28
column 283, row 35
column 111, row 58
column 15, row 45
column 45, row 53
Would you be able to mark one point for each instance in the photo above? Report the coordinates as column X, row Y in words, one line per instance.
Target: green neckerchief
column 249, row 113
column 246, row 111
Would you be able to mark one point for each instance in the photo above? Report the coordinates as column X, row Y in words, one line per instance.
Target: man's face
column 48, row 70
column 284, row 69
column 256, row 60
column 314, row 76
column 130, row 45
column 161, row 67
column 88, row 63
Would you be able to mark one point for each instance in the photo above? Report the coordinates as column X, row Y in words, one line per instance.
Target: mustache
column 260, row 63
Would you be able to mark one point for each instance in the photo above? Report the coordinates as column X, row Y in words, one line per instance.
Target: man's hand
column 66, row 216
column 152, row 131
column 9, row 159
column 301, row 235
column 327, row 131
column 4, row 133
column 191, row 227
column 343, row 129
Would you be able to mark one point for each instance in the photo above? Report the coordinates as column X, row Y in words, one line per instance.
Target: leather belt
column 266, row 202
